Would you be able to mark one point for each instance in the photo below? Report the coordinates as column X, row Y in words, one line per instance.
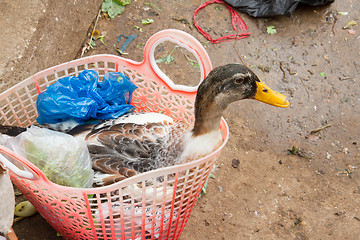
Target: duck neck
column 207, row 117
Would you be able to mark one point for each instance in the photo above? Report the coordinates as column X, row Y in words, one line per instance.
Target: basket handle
column 182, row 39
column 12, row 167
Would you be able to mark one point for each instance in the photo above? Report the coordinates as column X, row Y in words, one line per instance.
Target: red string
column 235, row 20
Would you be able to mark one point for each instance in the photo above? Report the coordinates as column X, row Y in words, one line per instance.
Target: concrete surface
column 41, row 33
column 311, row 58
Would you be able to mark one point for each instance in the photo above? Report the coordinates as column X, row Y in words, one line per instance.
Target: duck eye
column 238, row 80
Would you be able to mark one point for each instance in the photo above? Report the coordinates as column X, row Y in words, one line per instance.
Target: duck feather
column 132, row 144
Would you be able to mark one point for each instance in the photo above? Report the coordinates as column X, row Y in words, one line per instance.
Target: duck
column 139, row 142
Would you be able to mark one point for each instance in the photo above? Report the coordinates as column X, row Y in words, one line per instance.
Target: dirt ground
column 298, row 176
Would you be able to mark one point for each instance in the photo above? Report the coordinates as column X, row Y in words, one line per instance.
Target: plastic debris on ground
column 266, row 8
column 128, row 40
column 84, row 97
column 63, row 159
column 235, row 20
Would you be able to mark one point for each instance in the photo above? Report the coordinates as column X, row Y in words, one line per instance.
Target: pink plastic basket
column 130, row 209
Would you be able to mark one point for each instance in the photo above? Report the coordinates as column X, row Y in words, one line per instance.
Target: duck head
column 227, row 84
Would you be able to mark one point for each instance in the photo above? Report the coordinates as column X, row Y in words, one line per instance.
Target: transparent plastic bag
column 64, row 159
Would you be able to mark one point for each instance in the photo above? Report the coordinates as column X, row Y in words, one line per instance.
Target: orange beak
column 269, row 96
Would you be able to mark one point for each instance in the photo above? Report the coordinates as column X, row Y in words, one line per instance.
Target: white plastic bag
column 62, row 158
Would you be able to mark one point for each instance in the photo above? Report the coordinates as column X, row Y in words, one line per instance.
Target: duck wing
column 126, row 145
column 132, row 144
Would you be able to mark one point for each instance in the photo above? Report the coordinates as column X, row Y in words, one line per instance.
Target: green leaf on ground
column 138, row 28
column 92, row 43
column 298, row 152
column 114, row 7
column 193, row 63
column 147, row 21
column 349, row 24
column 167, row 59
column 153, row 6
column 322, row 74
column 270, row 29
column 101, row 38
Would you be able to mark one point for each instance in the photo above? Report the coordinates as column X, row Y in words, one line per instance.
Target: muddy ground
column 310, row 192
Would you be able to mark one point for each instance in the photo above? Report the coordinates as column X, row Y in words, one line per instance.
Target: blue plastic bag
column 83, row 98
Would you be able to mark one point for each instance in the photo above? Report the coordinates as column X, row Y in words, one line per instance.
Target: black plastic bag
column 270, row 8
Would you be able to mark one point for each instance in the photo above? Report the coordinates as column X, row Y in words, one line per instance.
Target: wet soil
column 309, row 192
